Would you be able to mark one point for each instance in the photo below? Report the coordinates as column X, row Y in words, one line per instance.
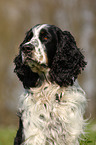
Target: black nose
column 27, row 48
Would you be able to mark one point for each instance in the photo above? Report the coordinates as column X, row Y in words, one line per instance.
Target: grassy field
column 90, row 138
column 7, row 135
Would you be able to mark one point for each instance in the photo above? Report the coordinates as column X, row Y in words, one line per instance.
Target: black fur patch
column 18, row 139
column 67, row 62
column 24, row 73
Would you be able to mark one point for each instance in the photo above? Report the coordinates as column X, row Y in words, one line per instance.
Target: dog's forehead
column 36, row 29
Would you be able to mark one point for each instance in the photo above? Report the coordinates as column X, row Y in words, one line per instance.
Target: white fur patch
column 53, row 115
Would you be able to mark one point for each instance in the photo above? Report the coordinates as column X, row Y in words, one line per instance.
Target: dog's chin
column 35, row 66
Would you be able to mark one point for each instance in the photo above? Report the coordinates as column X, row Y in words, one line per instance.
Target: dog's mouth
column 35, row 65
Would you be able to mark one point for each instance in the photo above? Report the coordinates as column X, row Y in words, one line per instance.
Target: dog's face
column 38, row 47
column 48, row 48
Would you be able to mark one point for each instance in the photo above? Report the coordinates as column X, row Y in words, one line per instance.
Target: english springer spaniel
column 52, row 107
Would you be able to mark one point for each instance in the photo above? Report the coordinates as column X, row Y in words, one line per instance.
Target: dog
column 52, row 107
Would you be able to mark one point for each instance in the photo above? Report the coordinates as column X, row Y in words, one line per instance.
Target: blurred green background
column 16, row 18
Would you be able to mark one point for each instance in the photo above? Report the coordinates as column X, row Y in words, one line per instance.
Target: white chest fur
column 52, row 115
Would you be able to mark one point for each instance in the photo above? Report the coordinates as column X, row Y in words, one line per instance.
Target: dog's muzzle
column 33, row 54
column 27, row 48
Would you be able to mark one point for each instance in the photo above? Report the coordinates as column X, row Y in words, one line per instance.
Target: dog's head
column 48, row 48
column 39, row 47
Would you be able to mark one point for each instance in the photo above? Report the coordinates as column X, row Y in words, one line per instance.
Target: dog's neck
column 43, row 77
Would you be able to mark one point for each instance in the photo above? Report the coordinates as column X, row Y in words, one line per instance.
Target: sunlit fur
column 52, row 107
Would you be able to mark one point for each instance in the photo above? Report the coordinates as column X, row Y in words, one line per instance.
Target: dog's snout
column 26, row 48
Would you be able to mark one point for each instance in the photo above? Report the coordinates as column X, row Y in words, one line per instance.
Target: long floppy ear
column 24, row 73
column 67, row 62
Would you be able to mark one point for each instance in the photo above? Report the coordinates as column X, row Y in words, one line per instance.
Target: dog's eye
column 44, row 36
column 29, row 36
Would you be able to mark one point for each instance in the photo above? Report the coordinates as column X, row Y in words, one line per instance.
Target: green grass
column 7, row 135
column 90, row 137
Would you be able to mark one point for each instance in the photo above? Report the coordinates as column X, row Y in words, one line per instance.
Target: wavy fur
column 68, row 61
column 52, row 107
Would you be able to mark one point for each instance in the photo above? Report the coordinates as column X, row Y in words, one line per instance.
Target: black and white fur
column 52, row 107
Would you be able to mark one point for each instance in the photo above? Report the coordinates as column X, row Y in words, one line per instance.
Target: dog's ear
column 24, row 73
column 68, row 60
